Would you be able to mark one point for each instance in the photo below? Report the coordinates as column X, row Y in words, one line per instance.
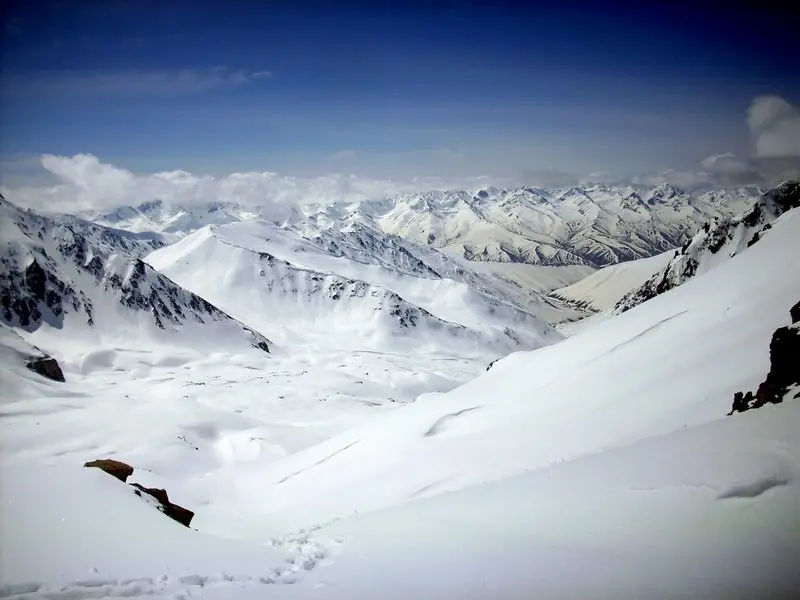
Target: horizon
column 107, row 95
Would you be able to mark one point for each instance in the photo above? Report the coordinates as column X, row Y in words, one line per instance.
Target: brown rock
column 173, row 511
column 113, row 467
column 160, row 495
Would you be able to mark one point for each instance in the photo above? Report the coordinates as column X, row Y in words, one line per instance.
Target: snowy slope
column 291, row 289
column 599, row 467
column 670, row 363
column 601, row 290
column 357, row 237
column 715, row 243
column 705, row 512
column 68, row 277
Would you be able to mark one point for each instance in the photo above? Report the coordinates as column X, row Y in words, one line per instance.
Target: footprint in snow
column 309, row 554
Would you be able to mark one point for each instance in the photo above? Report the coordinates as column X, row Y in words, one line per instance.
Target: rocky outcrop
column 784, row 372
column 173, row 511
column 122, row 471
column 46, row 366
column 115, row 468
column 732, row 234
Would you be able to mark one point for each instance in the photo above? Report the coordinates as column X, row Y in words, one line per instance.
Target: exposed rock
column 46, row 366
column 122, row 471
column 784, row 372
column 118, row 469
column 173, row 511
column 730, row 233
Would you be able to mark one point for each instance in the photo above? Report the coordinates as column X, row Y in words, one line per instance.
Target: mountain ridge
column 592, row 225
column 55, row 271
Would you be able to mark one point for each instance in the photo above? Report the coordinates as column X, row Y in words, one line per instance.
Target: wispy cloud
column 130, row 83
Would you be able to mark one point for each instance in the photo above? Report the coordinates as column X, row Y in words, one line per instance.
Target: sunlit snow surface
column 602, row 466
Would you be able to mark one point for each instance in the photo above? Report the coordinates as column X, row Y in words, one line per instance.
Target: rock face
column 46, row 366
column 784, row 372
column 52, row 268
column 118, row 469
column 122, row 471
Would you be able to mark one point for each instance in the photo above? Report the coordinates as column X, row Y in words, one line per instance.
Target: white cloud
column 83, row 183
column 775, row 125
column 126, row 83
column 730, row 170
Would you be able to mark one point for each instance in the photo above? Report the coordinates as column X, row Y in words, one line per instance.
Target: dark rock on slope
column 115, row 468
column 46, row 366
column 122, row 471
column 173, row 511
column 784, row 372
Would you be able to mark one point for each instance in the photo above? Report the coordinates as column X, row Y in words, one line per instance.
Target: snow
column 537, row 277
column 604, row 288
column 639, row 375
column 289, row 289
column 592, row 225
column 600, row 466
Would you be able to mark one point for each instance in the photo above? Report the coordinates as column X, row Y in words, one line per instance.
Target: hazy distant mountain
column 592, row 225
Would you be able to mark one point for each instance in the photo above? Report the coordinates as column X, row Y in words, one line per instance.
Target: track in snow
column 309, row 554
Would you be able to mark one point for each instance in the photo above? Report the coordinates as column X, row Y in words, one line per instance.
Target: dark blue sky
column 387, row 88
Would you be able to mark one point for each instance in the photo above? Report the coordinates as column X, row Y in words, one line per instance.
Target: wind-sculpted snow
column 71, row 275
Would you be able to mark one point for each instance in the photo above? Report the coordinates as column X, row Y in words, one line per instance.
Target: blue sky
column 386, row 89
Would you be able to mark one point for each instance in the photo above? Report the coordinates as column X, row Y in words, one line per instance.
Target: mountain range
column 593, row 225
column 506, row 393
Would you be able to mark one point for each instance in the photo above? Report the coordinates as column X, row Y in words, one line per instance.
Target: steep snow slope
column 715, row 243
column 292, row 289
column 670, row 363
column 601, row 290
column 68, row 277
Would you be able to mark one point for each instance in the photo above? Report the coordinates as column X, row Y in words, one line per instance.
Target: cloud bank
column 83, row 182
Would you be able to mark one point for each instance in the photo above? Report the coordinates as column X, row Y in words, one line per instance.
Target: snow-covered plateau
column 431, row 396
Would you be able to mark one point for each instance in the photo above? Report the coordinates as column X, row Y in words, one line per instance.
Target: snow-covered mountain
column 672, row 363
column 593, row 225
column 90, row 282
column 716, row 242
column 601, row 290
column 601, row 466
column 365, row 287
